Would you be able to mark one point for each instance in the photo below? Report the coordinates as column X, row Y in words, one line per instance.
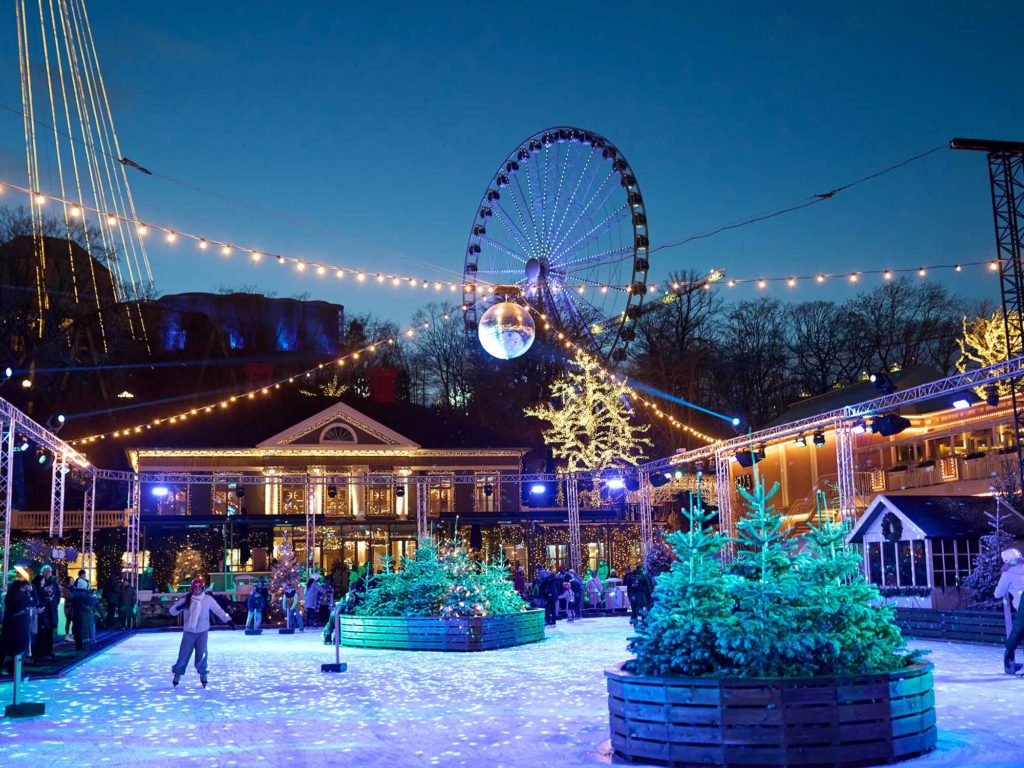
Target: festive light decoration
column 171, row 236
column 257, row 392
column 591, row 430
column 983, row 343
column 285, row 572
column 188, row 565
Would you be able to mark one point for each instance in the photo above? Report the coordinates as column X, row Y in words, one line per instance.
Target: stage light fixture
column 488, row 489
column 42, row 456
column 759, row 452
column 859, row 427
column 992, row 395
column 400, row 491
column 537, row 489
column 615, row 484
column 632, row 484
column 889, row 424
column 658, row 479
column 819, row 439
column 678, row 474
column 745, row 459
column 964, row 400
column 332, row 491
column 800, row 440
column 883, row 384
column 160, row 491
column 239, row 491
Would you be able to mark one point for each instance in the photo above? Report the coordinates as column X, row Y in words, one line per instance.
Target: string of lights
column 268, row 389
column 77, row 211
column 621, row 383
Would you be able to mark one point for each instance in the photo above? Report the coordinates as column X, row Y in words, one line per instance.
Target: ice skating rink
column 529, row 707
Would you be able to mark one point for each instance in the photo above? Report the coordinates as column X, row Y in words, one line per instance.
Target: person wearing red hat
column 197, row 606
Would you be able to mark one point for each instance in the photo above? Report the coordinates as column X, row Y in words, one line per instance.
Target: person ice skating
column 127, row 596
column 312, row 600
column 47, row 603
column 83, row 606
column 16, row 632
column 1012, row 583
column 290, row 606
column 577, row 592
column 112, row 597
column 255, row 605
column 595, row 588
column 638, row 590
column 197, row 606
column 566, row 597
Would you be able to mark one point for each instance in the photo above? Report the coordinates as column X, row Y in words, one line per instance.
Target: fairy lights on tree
column 591, row 427
column 984, row 343
column 188, row 565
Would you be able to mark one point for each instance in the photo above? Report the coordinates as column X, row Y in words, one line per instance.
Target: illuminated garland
column 262, row 391
column 77, row 211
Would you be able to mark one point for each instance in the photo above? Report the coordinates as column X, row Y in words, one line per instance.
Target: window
column 486, row 493
column 593, row 552
column 897, row 564
column 875, row 562
column 440, row 498
column 338, row 433
column 905, row 454
column 953, row 560
column 889, row 564
column 223, row 500
column 979, row 441
column 557, row 555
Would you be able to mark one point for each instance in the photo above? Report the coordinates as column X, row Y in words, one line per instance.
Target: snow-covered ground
column 536, row 705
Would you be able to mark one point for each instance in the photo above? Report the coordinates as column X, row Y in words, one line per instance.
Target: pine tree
column 989, row 566
column 591, row 428
column 285, row 572
column 679, row 635
column 442, row 580
column 188, row 565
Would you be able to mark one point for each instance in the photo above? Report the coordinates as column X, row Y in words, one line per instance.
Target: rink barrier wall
column 835, row 721
column 982, row 627
column 433, row 633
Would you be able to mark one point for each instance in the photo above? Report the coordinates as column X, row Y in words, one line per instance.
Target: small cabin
column 919, row 549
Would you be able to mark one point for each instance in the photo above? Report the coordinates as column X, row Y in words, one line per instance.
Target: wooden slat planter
column 983, row 627
column 432, row 633
column 835, row 721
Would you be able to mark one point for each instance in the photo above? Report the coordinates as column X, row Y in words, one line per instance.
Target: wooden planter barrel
column 433, row 633
column 835, row 721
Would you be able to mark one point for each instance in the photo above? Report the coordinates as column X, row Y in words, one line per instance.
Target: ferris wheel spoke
column 513, row 230
column 590, row 202
column 582, row 321
column 519, row 201
column 611, row 256
column 528, row 204
column 503, row 248
column 594, row 233
column 572, row 196
column 562, row 167
column 581, row 207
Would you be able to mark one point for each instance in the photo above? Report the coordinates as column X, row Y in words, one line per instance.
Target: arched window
column 337, row 433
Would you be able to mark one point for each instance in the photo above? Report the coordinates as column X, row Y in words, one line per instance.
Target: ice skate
column 175, row 680
column 203, row 681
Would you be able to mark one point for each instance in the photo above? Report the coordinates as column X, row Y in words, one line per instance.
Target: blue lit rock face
column 506, row 330
column 544, row 704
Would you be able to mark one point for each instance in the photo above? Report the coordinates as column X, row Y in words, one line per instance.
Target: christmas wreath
column 892, row 528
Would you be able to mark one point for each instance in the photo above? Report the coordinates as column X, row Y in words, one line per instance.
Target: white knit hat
column 1009, row 555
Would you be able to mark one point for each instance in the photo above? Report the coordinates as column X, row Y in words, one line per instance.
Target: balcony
column 40, row 521
column 981, row 468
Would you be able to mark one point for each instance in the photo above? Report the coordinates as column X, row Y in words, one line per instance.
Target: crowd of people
column 562, row 593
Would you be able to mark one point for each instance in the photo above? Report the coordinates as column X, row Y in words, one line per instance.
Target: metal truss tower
column 1006, row 178
column 422, row 505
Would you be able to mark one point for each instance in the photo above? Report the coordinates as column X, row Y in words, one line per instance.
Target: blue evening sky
column 364, row 134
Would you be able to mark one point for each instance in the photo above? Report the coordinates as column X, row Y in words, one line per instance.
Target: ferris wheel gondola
column 562, row 229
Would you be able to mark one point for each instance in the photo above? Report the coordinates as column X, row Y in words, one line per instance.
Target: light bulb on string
column 226, row 250
column 171, row 237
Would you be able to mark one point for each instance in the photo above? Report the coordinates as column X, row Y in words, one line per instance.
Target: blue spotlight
column 160, row 491
column 616, row 483
column 537, row 489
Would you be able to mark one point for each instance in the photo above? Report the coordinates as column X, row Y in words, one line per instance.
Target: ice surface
column 535, row 706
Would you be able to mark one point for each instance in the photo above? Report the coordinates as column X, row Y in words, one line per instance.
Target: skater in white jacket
column 197, row 606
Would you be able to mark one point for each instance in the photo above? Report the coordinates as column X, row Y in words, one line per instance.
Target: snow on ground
column 541, row 705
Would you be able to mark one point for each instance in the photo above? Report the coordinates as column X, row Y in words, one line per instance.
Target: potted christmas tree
column 441, row 600
column 778, row 658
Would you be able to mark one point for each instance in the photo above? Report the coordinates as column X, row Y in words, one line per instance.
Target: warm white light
column 75, row 211
column 887, row 274
column 921, row 272
column 40, row 199
column 853, row 277
column 579, row 290
column 226, row 250
column 791, row 282
column 380, row 278
column 731, row 283
column 141, row 230
column 256, row 256
column 437, row 286
column 994, row 266
column 762, row 284
column 202, row 245
column 171, row 237
column 300, row 265
column 321, row 270
column 360, row 277
column 395, row 281
column 821, row 278
column 604, row 289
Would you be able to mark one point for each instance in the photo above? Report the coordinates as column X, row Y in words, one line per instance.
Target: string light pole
column 57, row 494
column 422, row 507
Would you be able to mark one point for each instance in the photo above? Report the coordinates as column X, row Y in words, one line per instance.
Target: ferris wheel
column 562, row 229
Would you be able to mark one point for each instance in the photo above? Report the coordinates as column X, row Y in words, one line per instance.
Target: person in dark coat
column 83, row 612
column 47, row 607
column 639, row 589
column 112, row 597
column 548, row 591
column 577, row 591
column 255, row 604
column 519, row 579
column 311, row 600
column 127, row 597
column 16, row 632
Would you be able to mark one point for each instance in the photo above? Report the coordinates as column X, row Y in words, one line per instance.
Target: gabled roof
column 285, row 416
column 938, row 516
column 362, row 428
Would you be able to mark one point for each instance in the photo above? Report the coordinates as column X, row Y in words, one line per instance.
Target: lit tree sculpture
column 590, row 422
column 983, row 343
column 188, row 565
column 284, row 572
